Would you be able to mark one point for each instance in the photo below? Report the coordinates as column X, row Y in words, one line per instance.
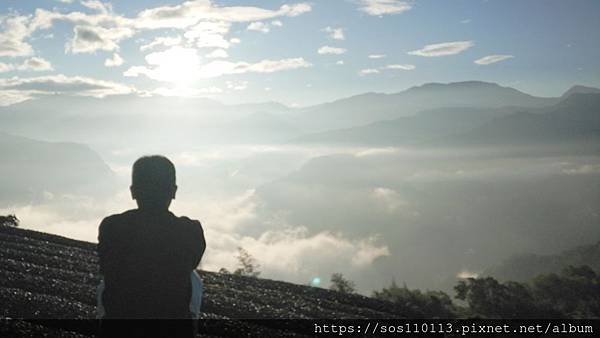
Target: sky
column 296, row 53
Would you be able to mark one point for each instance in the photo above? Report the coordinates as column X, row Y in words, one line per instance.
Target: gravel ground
column 44, row 276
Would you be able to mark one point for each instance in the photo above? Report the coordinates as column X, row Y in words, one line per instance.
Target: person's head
column 153, row 182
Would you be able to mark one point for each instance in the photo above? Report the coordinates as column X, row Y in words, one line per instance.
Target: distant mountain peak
column 579, row 89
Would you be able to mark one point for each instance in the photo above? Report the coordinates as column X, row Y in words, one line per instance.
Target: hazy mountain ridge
column 159, row 120
column 409, row 130
column 370, row 107
column 31, row 168
column 526, row 266
column 575, row 118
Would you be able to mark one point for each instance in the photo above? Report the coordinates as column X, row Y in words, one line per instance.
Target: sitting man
column 147, row 256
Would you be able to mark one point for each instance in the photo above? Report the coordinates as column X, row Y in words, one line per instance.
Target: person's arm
column 105, row 241
column 197, row 243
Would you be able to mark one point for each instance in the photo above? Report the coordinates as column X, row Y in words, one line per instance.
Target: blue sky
column 297, row 53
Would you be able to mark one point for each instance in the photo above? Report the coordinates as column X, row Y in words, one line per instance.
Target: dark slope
column 48, row 276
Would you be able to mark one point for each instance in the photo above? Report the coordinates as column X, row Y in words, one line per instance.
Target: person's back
column 147, row 254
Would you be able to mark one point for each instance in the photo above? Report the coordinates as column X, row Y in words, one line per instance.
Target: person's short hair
column 153, row 177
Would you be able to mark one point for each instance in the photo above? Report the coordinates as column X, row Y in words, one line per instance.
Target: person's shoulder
column 123, row 217
column 186, row 221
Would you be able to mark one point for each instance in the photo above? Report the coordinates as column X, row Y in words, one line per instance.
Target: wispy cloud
column 401, row 67
column 335, row 33
column 101, row 7
column 88, row 39
column 21, row 89
column 368, row 71
column 259, row 26
column 102, row 29
column 443, row 49
column 236, row 85
column 217, row 54
column 35, row 64
column 15, row 29
column 331, row 50
column 185, row 91
column 377, row 56
column 382, row 7
column 180, row 64
column 488, row 60
column 161, row 42
column 115, row 61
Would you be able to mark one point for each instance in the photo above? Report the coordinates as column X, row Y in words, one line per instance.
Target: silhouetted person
column 147, row 255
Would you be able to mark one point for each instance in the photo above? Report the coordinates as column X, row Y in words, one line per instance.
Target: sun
column 177, row 65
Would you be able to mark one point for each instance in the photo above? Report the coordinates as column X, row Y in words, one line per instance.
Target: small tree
column 9, row 221
column 248, row 266
column 341, row 284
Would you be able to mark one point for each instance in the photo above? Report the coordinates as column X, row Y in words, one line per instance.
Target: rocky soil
column 44, row 276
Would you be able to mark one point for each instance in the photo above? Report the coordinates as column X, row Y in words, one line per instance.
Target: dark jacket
column 146, row 259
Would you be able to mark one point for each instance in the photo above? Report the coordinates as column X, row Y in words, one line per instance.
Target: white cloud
column 488, row 60
column 104, row 30
column 5, row 67
column 217, row 53
column 88, row 39
column 102, row 7
column 376, row 56
column 368, row 71
column 277, row 23
column 382, row 7
column 115, row 61
column 185, row 91
column 180, row 63
column 161, row 42
column 21, row 89
column 258, row 26
column 388, row 198
column 209, row 34
column 465, row 21
column 10, row 97
column 401, row 67
column 236, row 85
column 340, row 62
column 331, row 50
column 443, row 49
column 12, row 37
column 192, row 12
column 176, row 64
column 335, row 33
column 35, row 64
column 218, row 68
column 235, row 40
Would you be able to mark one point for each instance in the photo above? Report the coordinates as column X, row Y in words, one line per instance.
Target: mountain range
column 157, row 120
column 573, row 118
column 31, row 168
